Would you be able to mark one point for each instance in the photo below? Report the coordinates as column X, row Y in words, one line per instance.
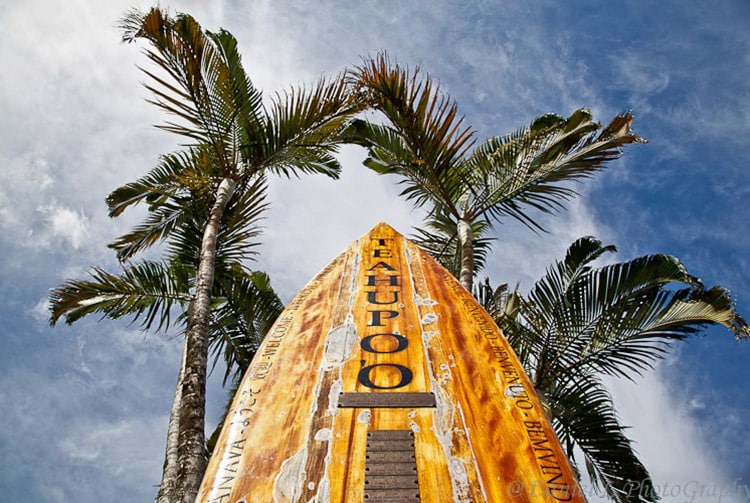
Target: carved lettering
column 405, row 374
column 260, row 370
column 372, row 298
column 377, row 317
column 383, row 265
column 228, row 470
column 554, row 479
column 373, row 280
column 401, row 343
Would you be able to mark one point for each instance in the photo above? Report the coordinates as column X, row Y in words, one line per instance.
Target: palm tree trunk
column 192, row 456
column 466, row 244
column 170, row 471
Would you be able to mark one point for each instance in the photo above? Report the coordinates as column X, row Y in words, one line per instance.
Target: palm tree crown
column 467, row 189
column 580, row 322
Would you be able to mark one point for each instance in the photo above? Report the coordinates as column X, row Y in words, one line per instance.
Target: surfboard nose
column 385, row 379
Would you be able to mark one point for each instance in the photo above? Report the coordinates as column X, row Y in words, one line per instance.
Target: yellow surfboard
column 385, row 381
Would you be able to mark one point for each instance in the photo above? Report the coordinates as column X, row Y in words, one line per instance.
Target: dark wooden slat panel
column 391, row 495
column 390, row 457
column 408, row 468
column 391, row 482
column 389, row 400
column 391, row 466
column 390, row 435
column 390, row 445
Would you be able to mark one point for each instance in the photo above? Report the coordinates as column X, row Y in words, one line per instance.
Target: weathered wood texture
column 384, row 317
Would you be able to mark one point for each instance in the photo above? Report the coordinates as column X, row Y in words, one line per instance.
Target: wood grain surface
column 455, row 418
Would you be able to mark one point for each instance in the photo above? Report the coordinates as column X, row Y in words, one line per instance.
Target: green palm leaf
column 154, row 188
column 534, row 166
column 584, row 416
column 431, row 132
column 245, row 311
column 204, row 83
column 304, row 129
column 178, row 184
column 158, row 225
column 440, row 239
column 147, row 291
column 238, row 235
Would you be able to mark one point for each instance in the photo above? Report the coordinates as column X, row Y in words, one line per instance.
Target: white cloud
column 40, row 310
column 70, row 225
column 676, row 450
column 642, row 75
column 29, row 211
column 109, row 446
column 313, row 219
column 519, row 254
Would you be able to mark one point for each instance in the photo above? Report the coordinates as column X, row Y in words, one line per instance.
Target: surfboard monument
column 384, row 380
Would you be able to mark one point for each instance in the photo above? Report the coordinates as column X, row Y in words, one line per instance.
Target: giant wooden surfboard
column 384, row 380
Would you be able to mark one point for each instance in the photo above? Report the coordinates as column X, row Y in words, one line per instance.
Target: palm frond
column 147, row 291
column 618, row 319
column 572, row 279
column 584, row 416
column 433, row 138
column 241, row 224
column 238, row 233
column 178, row 48
column 180, row 183
column 386, row 148
column 158, row 225
column 154, row 188
column 533, row 167
column 495, row 301
column 246, row 310
column 440, row 240
column 240, row 102
column 632, row 333
column 304, row 130
column 204, row 84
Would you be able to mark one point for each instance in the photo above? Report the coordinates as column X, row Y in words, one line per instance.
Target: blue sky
column 85, row 407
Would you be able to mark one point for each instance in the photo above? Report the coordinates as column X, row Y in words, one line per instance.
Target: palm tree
column 579, row 323
column 244, row 304
column 234, row 139
column 244, row 308
column 464, row 190
column 181, row 193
